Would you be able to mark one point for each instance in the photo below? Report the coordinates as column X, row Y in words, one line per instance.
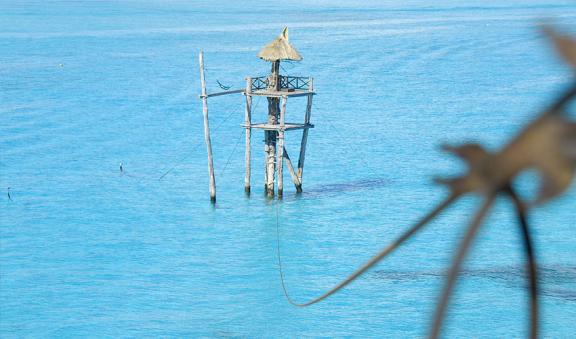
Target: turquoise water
column 88, row 252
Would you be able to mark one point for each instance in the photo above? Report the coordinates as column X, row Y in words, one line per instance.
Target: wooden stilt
column 248, row 122
column 305, row 134
column 266, row 162
column 273, row 110
column 207, row 130
column 293, row 174
column 281, row 148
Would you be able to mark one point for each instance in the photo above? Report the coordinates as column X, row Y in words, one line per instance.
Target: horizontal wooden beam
column 223, row 93
column 287, row 126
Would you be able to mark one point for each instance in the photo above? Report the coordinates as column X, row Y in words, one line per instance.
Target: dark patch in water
column 351, row 186
column 555, row 281
column 227, row 334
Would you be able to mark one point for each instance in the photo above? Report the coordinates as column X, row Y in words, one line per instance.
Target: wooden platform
column 287, row 126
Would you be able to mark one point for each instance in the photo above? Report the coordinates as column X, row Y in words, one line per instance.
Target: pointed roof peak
column 284, row 33
column 280, row 49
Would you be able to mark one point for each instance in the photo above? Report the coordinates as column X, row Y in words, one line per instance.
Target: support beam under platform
column 275, row 127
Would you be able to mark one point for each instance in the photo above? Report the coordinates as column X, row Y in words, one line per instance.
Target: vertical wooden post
column 305, row 134
column 266, row 162
column 207, row 130
column 273, row 110
column 248, row 122
column 280, row 156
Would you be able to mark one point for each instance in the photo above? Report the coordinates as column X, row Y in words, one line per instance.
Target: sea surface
column 89, row 251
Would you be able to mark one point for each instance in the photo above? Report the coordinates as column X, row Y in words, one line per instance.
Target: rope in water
column 366, row 266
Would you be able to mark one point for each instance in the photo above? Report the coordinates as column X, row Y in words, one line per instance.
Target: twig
column 456, row 264
column 531, row 263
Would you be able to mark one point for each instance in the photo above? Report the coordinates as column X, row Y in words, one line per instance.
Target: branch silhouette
column 547, row 145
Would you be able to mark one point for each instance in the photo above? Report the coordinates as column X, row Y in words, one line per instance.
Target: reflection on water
column 328, row 190
column 350, row 186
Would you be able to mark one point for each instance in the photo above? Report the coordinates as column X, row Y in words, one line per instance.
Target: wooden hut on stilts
column 277, row 89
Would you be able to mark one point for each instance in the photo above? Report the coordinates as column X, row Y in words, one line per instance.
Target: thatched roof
column 280, row 49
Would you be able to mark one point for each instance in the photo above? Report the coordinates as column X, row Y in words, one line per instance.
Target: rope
column 284, row 69
column 237, row 143
column 256, row 104
column 180, row 161
column 194, row 148
column 201, row 142
column 366, row 266
column 230, row 156
column 288, row 62
column 222, row 86
column 341, row 137
column 187, row 156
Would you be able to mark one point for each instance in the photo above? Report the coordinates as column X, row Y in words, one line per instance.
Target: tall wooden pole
column 248, row 122
column 305, row 134
column 270, row 136
column 207, row 130
column 281, row 148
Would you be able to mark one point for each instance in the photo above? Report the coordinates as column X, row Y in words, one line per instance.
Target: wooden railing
column 286, row 82
column 260, row 83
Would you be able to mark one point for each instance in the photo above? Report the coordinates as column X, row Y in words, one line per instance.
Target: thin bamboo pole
column 207, row 130
column 281, row 148
column 248, row 121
